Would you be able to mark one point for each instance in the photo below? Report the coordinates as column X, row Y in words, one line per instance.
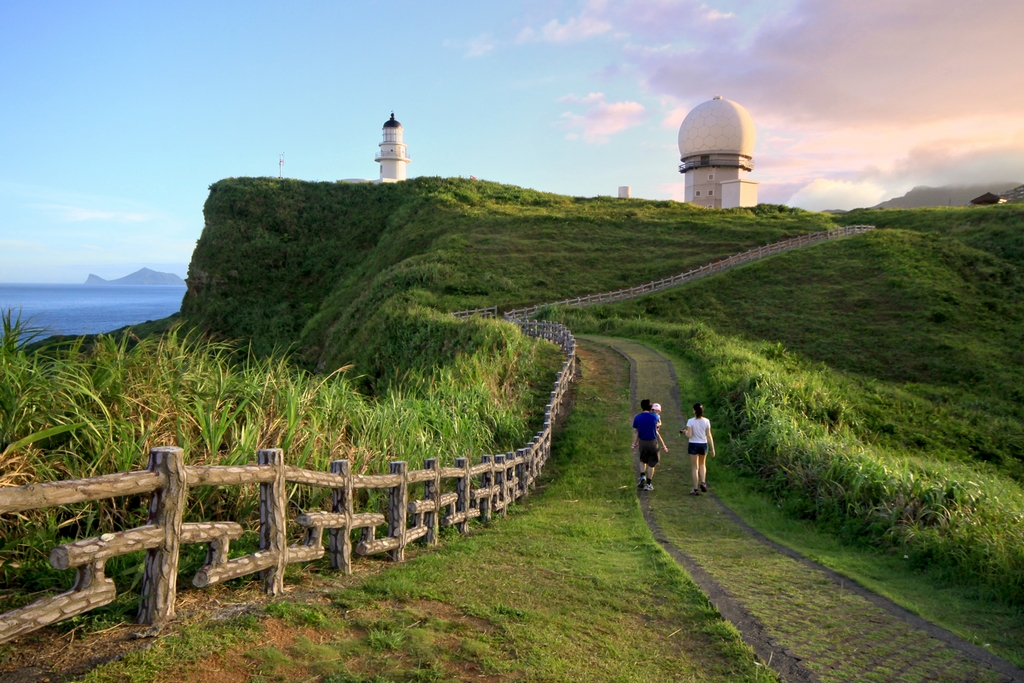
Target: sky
column 115, row 117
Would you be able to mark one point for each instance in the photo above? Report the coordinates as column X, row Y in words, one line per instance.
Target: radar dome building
column 716, row 146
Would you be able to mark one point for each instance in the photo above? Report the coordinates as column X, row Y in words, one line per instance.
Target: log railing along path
column 675, row 280
column 419, row 502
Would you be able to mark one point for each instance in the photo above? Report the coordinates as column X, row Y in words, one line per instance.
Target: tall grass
column 798, row 430
column 80, row 410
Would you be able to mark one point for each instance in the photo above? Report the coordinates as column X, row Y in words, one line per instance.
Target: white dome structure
column 716, row 147
column 717, row 126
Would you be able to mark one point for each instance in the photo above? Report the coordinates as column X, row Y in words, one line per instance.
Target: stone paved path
column 810, row 622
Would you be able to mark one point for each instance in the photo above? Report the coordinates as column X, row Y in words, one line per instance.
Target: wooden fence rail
column 489, row 312
column 419, row 502
column 675, row 280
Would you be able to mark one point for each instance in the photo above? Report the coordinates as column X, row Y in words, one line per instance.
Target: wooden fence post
column 462, row 489
column 274, row 521
column 520, row 470
column 486, row 481
column 398, row 508
column 160, row 577
column 340, row 540
column 510, row 482
column 501, row 503
column 432, row 491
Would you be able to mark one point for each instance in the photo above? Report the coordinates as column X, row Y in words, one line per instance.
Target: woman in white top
column 698, row 431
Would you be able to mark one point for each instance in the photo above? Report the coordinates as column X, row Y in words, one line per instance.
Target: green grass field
column 569, row 587
column 925, row 334
column 872, row 385
column 334, row 268
column 837, row 634
column 803, row 431
column 70, row 410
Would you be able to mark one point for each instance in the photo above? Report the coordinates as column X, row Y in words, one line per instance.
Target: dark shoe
column 703, row 487
column 641, row 481
column 695, row 492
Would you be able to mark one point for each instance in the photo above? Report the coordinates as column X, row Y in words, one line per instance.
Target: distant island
column 143, row 276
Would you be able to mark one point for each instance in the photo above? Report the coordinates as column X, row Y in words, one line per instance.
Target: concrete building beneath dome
column 716, row 147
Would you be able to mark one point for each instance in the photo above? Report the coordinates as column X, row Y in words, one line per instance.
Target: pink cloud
column 877, row 61
column 674, row 118
column 847, row 97
column 602, row 119
column 674, row 191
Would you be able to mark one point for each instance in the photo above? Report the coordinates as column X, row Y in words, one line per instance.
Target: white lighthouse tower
column 392, row 155
column 716, row 146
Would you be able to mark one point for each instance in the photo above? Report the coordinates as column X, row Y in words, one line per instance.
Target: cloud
column 674, row 118
column 575, row 29
column 75, row 214
column 879, row 61
column 602, row 119
column 848, row 98
column 23, row 245
column 824, row 194
column 649, row 21
column 479, row 46
column 937, row 165
column 674, row 191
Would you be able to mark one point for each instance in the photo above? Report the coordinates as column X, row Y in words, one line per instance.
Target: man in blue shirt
column 646, row 438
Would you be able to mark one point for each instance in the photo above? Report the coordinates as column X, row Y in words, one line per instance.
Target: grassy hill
column 873, row 383
column 929, row 330
column 345, row 271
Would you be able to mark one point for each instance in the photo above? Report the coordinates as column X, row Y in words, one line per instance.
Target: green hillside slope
column 336, row 268
column 872, row 383
column 997, row 229
column 928, row 330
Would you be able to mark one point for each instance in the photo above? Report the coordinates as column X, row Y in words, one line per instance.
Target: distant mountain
column 948, row 195
column 1015, row 196
column 143, row 276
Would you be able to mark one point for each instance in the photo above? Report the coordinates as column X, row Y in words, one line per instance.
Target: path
column 810, row 623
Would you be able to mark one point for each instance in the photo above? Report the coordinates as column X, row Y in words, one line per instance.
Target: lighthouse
column 392, row 156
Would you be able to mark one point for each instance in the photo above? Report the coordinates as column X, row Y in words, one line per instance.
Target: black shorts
column 649, row 454
column 697, row 448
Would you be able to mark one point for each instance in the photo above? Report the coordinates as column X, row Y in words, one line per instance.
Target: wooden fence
column 419, row 502
column 489, row 312
column 689, row 276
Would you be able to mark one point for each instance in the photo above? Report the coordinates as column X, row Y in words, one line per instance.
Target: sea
column 89, row 309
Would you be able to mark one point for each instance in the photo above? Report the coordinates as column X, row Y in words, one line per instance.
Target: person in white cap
column 656, row 409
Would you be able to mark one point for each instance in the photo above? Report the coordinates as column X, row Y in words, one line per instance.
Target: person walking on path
column 646, row 438
column 698, row 432
column 656, row 410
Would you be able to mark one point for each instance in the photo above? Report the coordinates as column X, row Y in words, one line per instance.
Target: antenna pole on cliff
column 280, row 166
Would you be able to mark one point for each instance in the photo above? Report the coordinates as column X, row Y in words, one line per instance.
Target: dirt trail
column 808, row 622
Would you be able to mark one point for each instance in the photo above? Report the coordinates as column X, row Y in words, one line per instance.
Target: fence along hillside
column 418, row 503
column 675, row 280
